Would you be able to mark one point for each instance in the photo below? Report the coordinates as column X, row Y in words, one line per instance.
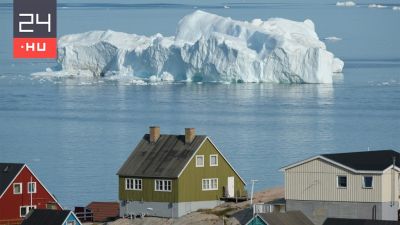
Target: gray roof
column 278, row 201
column 337, row 221
column 164, row 159
column 287, row 218
column 46, row 216
column 8, row 171
column 377, row 160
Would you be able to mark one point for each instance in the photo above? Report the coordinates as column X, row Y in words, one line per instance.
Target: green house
column 172, row 175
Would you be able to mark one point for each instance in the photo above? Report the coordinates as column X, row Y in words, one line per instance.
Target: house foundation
column 318, row 211
column 163, row 209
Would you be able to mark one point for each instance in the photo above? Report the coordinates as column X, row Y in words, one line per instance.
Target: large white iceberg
column 206, row 47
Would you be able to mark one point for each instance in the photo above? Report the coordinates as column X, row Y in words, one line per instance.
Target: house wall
column 148, row 193
column 10, row 203
column 390, row 192
column 190, row 181
column 163, row 209
column 317, row 180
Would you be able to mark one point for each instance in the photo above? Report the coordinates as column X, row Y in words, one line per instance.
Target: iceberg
column 377, row 6
column 346, row 4
column 332, row 39
column 206, row 48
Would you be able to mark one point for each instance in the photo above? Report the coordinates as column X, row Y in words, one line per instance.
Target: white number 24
column 32, row 21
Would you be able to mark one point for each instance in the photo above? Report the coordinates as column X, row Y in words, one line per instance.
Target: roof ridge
column 361, row 151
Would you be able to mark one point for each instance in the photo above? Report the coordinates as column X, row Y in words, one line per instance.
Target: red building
column 21, row 191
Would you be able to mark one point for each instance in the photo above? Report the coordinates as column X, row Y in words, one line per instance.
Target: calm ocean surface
column 76, row 133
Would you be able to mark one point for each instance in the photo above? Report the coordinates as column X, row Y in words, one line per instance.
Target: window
column 367, row 182
column 341, row 181
column 31, row 187
column 24, row 210
column 133, row 184
column 163, row 185
column 199, row 160
column 213, row 160
column 17, row 187
column 210, row 184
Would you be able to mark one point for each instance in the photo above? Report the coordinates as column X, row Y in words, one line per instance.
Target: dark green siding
column 190, row 182
column 147, row 194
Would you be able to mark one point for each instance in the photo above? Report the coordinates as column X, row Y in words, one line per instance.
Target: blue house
column 51, row 217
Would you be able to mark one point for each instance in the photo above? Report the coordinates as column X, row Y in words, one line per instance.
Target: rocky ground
column 228, row 213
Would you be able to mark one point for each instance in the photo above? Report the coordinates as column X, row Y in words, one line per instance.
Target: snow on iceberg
column 346, row 4
column 332, row 39
column 206, row 47
column 377, row 6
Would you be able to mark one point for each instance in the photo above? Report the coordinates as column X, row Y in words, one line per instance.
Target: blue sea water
column 76, row 133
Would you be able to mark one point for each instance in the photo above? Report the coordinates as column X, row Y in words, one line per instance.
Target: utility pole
column 252, row 195
column 252, row 191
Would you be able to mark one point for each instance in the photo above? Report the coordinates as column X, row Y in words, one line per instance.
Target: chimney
column 190, row 133
column 154, row 134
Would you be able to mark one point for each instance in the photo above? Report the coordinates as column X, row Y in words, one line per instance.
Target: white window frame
column 337, row 182
column 35, row 188
column 200, row 156
column 209, row 187
column 27, row 209
column 216, row 159
column 133, row 187
column 363, row 182
column 164, row 185
column 20, row 188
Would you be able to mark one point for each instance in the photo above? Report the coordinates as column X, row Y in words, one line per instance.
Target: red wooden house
column 21, row 191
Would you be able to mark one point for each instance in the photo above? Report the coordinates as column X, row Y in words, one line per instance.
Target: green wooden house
column 172, row 175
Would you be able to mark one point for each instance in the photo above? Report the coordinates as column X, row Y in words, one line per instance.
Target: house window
column 24, row 210
column 163, row 185
column 341, row 181
column 199, row 160
column 367, row 181
column 213, row 160
column 133, row 184
column 209, row 184
column 31, row 187
column 17, row 188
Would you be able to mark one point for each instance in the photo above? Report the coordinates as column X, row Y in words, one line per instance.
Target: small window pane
column 213, row 160
column 199, row 161
column 342, row 181
column 368, row 181
column 17, row 188
column 23, row 211
column 32, row 187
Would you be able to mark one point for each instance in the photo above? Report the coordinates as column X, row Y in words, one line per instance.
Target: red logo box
column 35, row 48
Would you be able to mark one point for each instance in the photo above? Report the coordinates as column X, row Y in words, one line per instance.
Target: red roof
column 104, row 211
